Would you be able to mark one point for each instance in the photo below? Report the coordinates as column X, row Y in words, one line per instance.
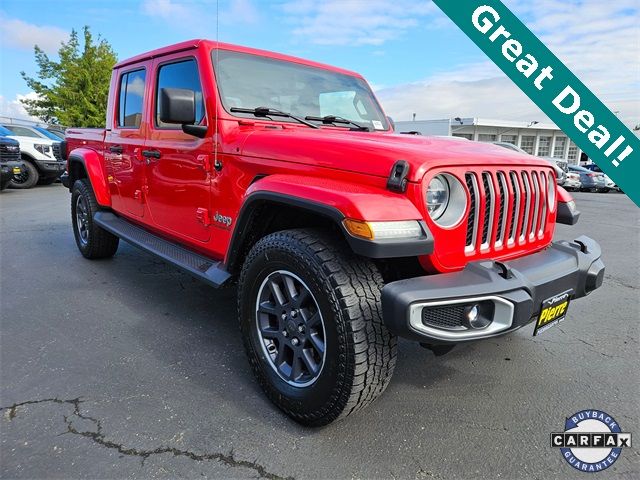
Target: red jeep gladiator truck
column 285, row 177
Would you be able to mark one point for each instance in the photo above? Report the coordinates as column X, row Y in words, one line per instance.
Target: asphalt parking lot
column 129, row 368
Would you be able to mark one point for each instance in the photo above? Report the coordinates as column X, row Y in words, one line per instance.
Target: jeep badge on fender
column 329, row 215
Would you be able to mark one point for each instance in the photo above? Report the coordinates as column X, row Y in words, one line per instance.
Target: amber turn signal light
column 358, row 228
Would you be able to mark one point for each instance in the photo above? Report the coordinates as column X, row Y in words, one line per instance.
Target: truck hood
column 374, row 153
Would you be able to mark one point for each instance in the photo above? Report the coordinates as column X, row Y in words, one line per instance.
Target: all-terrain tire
column 92, row 241
column 27, row 179
column 360, row 352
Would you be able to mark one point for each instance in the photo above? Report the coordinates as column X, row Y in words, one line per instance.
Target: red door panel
column 178, row 180
column 125, row 139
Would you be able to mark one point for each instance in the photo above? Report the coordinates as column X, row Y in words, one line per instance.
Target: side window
column 183, row 74
column 131, row 98
column 23, row 132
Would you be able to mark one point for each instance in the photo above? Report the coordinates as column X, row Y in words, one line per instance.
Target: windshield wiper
column 332, row 119
column 271, row 112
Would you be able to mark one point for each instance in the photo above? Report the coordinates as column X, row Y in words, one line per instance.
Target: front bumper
column 51, row 168
column 513, row 291
column 8, row 169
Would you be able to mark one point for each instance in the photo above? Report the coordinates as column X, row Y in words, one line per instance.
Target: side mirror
column 177, row 105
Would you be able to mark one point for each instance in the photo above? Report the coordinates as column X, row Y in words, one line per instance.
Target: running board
column 210, row 271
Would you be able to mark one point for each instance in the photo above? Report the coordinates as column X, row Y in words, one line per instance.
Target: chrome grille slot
column 515, row 213
column 489, row 202
column 544, row 183
column 524, row 221
column 474, row 211
column 502, row 213
column 536, row 205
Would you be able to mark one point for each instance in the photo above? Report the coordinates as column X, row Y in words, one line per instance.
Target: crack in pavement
column 620, row 282
column 99, row 438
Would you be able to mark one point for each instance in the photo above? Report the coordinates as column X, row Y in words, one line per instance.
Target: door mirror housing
column 178, row 105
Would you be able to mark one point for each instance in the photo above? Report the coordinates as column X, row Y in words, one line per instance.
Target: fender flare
column 335, row 200
column 93, row 165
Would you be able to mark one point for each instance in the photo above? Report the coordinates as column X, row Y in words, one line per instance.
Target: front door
column 125, row 139
column 177, row 165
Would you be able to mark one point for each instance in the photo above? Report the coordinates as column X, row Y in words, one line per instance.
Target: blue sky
column 414, row 57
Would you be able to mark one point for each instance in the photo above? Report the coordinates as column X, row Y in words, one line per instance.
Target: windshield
column 48, row 134
column 5, row 132
column 250, row 81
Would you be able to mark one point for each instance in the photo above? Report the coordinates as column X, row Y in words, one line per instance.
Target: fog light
column 473, row 317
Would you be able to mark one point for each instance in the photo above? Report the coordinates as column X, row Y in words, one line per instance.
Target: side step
column 210, row 271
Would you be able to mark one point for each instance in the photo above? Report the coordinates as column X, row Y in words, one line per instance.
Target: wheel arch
column 280, row 202
column 86, row 163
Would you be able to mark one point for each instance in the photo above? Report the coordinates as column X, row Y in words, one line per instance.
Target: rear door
column 177, row 164
column 124, row 140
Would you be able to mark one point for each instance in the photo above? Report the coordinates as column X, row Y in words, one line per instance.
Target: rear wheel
column 27, row 179
column 92, row 241
column 312, row 326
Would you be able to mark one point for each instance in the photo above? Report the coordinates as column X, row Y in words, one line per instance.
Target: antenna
column 216, row 164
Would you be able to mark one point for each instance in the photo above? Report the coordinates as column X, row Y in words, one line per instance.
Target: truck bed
column 92, row 138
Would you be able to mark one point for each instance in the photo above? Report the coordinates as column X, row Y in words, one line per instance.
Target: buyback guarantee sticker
column 592, row 440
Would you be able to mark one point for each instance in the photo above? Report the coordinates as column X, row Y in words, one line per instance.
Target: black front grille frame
column 57, row 153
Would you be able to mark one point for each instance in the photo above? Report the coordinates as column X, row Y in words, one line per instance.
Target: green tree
column 72, row 91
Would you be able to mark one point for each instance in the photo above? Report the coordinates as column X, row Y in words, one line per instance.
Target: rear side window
column 182, row 74
column 130, row 100
column 23, row 132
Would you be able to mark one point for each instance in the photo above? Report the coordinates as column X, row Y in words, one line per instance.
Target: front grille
column 56, row 151
column 505, row 207
column 446, row 316
column 6, row 155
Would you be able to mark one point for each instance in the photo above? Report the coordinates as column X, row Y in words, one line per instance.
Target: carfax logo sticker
column 592, row 440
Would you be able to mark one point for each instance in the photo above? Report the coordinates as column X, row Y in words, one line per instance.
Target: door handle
column 151, row 153
column 115, row 149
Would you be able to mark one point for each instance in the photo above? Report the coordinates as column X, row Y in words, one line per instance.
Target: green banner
column 552, row 87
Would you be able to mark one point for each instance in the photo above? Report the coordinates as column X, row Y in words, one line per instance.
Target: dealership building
column 541, row 139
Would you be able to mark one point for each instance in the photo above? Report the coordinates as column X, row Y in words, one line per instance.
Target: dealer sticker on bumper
column 553, row 311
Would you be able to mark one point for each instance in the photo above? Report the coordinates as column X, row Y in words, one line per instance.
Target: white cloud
column 201, row 16
column 165, row 9
column 354, row 22
column 14, row 108
column 241, row 11
column 19, row 34
column 598, row 41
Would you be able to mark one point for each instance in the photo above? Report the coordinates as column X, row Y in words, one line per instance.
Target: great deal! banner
column 552, row 87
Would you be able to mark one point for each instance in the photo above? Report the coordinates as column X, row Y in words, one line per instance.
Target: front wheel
column 312, row 325
column 27, row 178
column 92, row 241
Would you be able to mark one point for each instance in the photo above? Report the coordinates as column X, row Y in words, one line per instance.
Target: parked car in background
column 572, row 182
column 591, row 181
column 49, row 134
column 609, row 184
column 56, row 130
column 10, row 162
column 41, row 156
column 561, row 170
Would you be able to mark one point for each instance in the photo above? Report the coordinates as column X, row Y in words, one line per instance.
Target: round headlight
column 446, row 200
column 437, row 196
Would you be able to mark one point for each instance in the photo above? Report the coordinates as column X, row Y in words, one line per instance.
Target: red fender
column 94, row 166
column 359, row 202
